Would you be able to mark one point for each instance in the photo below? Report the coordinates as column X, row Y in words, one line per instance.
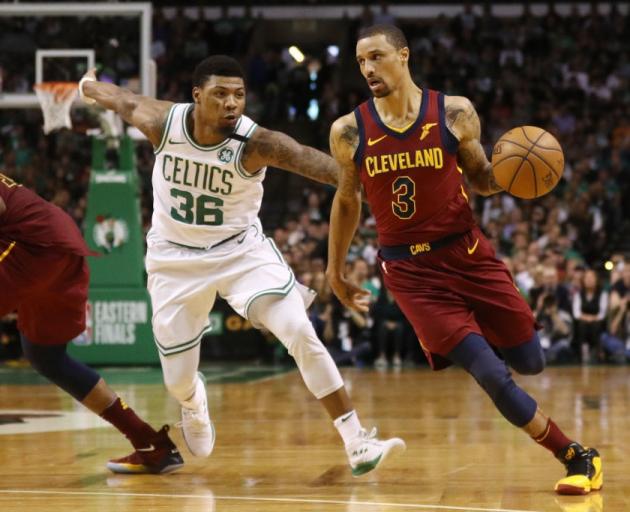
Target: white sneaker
column 196, row 426
column 366, row 452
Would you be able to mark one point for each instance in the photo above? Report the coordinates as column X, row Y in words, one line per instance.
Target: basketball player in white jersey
column 206, row 239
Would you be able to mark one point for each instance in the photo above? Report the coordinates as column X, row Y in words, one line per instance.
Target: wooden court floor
column 276, row 450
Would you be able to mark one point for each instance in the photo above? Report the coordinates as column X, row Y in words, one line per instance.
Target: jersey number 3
column 201, row 211
column 404, row 190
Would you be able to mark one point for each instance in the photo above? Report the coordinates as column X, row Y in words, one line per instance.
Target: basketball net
column 56, row 99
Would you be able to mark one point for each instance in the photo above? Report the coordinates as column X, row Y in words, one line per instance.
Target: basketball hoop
column 56, row 99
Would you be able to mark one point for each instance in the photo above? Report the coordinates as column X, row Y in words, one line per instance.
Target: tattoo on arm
column 462, row 120
column 477, row 169
column 343, row 144
column 280, row 150
column 492, row 183
column 467, row 160
column 452, row 115
column 267, row 149
column 350, row 135
column 147, row 114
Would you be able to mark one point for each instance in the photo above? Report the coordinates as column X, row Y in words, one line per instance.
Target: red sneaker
column 160, row 456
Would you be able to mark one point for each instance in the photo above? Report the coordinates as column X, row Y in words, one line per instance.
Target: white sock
column 348, row 425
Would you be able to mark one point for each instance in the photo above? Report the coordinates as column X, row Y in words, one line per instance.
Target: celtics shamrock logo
column 225, row 155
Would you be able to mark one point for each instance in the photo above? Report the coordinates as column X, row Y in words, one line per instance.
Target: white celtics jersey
column 201, row 194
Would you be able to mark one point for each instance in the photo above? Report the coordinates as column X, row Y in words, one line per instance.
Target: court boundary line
column 260, row 498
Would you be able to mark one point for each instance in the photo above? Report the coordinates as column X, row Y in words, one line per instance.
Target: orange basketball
column 527, row 162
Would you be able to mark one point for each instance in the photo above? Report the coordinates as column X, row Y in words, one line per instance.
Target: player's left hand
column 89, row 75
column 350, row 295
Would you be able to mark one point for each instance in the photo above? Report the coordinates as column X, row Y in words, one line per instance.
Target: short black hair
column 392, row 33
column 220, row 65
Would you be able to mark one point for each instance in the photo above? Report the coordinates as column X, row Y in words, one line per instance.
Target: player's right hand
column 350, row 295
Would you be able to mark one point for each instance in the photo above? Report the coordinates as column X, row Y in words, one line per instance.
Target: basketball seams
column 529, row 151
column 498, row 165
column 536, row 143
column 548, row 165
column 515, row 173
column 535, row 178
column 524, row 158
column 547, row 148
column 526, row 137
column 520, row 145
column 508, row 156
column 514, row 176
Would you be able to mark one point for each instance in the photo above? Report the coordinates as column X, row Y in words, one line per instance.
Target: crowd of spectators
column 569, row 75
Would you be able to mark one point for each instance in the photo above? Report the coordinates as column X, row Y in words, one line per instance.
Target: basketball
column 527, row 162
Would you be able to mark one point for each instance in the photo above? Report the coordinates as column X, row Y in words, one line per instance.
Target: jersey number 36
column 201, row 211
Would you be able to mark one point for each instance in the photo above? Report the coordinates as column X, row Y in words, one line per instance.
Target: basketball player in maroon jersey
column 45, row 277
column 410, row 148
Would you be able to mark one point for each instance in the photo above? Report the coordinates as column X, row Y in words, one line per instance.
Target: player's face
column 381, row 64
column 222, row 101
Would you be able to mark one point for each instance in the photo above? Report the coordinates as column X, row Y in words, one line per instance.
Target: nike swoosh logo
column 171, row 141
column 150, row 448
column 473, row 248
column 343, row 420
column 375, row 141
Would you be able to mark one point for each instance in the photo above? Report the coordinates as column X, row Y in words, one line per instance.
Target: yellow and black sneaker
column 584, row 470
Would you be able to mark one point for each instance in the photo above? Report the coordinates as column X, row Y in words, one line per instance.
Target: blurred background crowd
column 568, row 251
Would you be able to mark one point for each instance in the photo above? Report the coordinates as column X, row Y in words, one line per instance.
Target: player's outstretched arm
column 345, row 213
column 147, row 114
column 462, row 120
column 268, row 147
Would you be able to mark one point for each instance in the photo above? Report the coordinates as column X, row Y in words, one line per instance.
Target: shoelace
column 195, row 417
column 581, row 466
column 368, row 436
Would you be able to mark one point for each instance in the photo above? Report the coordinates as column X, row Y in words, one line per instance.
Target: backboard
column 42, row 42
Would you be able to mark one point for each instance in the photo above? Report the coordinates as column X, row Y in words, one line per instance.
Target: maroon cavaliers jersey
column 411, row 179
column 31, row 220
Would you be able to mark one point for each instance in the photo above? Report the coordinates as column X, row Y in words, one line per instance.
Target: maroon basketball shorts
column 457, row 290
column 47, row 289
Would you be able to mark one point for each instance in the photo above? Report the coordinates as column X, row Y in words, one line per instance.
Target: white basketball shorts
column 184, row 282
